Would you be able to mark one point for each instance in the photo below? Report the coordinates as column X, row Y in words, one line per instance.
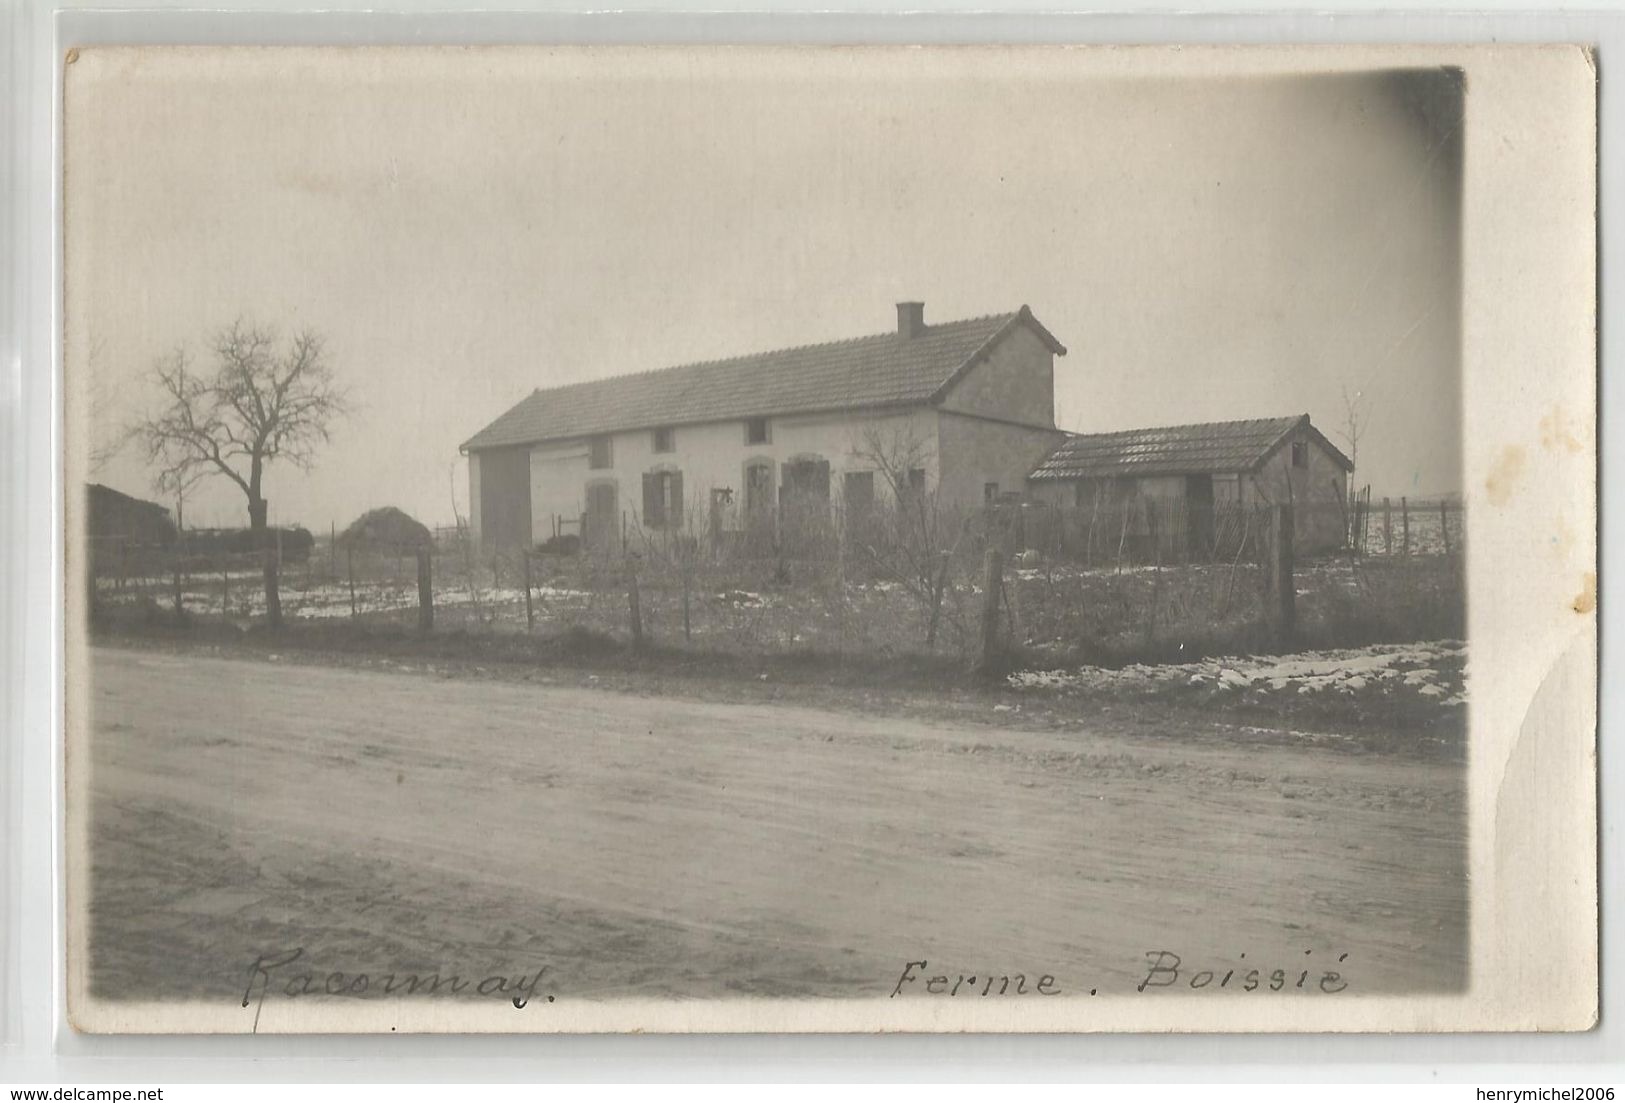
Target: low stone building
column 1201, row 471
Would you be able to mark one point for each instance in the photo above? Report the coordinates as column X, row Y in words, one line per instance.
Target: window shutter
column 677, row 515
column 651, row 501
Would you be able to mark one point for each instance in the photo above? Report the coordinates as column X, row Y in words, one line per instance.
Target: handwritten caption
column 1163, row 969
column 286, row 974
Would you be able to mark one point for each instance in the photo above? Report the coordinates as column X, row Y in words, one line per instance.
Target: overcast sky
column 467, row 226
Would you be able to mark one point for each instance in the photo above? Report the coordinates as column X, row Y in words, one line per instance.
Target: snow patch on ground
column 1433, row 670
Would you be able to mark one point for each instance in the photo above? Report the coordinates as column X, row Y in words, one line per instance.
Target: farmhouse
column 1196, row 472
column 964, row 409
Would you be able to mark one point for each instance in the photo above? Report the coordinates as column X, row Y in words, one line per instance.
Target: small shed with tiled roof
column 1204, row 466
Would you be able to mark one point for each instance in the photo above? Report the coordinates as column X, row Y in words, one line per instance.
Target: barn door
column 804, row 503
column 1199, row 515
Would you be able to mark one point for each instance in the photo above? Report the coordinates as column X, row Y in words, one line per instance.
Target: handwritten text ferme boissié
column 1163, row 969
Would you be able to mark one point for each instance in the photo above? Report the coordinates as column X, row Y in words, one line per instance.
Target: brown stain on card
column 1504, row 474
column 1558, row 431
column 1587, row 599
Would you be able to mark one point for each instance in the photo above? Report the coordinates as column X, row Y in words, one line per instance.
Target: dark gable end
column 889, row 369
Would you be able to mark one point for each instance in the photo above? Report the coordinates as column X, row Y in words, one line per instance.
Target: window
column 665, row 440
column 990, row 492
column 756, row 430
column 858, row 492
column 916, row 480
column 663, row 499
column 598, row 455
column 1300, row 453
column 1089, row 493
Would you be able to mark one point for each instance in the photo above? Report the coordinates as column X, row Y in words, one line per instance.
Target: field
column 425, row 816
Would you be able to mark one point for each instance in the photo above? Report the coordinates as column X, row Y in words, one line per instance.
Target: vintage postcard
column 813, row 539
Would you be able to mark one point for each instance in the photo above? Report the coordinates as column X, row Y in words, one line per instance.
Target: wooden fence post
column 1283, row 586
column 1156, row 580
column 1444, row 527
column 349, row 566
column 180, row 607
column 1387, row 526
column 687, row 584
column 634, row 607
column 530, row 608
column 273, row 596
column 225, row 584
column 425, row 592
column 992, row 587
column 1405, row 525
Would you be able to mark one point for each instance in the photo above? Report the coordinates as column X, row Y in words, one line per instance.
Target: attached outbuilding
column 1200, row 472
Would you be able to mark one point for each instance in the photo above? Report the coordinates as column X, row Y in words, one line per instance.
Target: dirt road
column 397, row 821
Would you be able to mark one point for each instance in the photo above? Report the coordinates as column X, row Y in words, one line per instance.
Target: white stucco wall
column 714, row 456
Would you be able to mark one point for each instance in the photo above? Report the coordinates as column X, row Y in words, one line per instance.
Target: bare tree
column 1356, row 415
column 264, row 400
column 911, row 538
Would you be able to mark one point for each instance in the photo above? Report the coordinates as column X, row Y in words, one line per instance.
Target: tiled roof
column 865, row 371
column 1210, row 448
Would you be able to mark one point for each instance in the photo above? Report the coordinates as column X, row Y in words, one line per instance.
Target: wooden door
column 603, row 528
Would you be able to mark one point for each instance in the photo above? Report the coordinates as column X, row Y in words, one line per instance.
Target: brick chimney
column 910, row 320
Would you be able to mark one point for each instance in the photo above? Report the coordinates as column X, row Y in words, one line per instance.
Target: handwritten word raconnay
column 292, row 979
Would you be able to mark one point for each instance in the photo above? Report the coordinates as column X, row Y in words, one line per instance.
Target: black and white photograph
column 814, row 539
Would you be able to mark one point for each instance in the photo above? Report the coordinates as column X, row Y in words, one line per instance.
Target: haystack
column 386, row 529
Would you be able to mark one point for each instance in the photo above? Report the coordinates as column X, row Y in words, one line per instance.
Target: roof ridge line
column 1295, row 418
column 776, row 351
